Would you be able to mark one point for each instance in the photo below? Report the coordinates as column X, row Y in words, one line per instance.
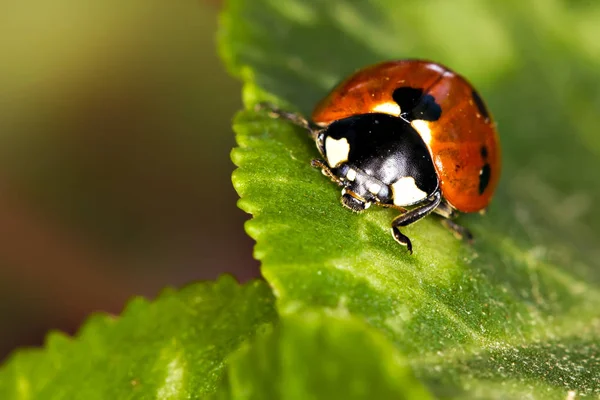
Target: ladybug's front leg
column 412, row 216
column 326, row 171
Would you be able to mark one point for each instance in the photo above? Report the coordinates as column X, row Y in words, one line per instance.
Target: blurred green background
column 115, row 171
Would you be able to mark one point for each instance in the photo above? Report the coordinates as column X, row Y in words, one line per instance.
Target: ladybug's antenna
column 294, row 118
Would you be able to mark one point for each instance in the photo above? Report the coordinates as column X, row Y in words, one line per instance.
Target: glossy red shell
column 463, row 142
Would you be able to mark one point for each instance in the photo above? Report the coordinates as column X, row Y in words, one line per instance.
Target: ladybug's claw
column 402, row 239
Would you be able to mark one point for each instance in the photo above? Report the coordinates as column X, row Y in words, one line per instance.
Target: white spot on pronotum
column 337, row 151
column 351, row 174
column 424, row 130
column 571, row 395
column 388, row 108
column 406, row 192
column 173, row 383
column 374, row 188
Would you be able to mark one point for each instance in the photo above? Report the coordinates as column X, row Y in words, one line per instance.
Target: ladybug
column 407, row 133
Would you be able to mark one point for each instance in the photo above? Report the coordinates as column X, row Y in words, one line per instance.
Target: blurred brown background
column 115, row 169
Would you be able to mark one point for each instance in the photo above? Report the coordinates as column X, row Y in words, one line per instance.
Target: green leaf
column 518, row 313
column 319, row 356
column 172, row 348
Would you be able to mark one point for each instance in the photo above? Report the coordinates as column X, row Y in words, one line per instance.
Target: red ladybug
column 407, row 133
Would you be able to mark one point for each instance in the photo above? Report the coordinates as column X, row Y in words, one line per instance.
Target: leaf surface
column 172, row 348
column 315, row 355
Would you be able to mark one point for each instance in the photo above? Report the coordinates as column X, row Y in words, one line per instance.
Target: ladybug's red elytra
column 407, row 133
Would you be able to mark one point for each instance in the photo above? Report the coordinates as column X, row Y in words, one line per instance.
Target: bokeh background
column 115, row 134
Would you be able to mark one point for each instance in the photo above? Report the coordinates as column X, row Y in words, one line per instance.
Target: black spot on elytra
column 480, row 105
column 484, row 177
column 484, row 152
column 415, row 105
column 407, row 98
column 427, row 109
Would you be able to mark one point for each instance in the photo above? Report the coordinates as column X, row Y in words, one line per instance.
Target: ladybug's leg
column 458, row 230
column 412, row 216
column 448, row 214
column 395, row 207
column 326, row 171
column 445, row 210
